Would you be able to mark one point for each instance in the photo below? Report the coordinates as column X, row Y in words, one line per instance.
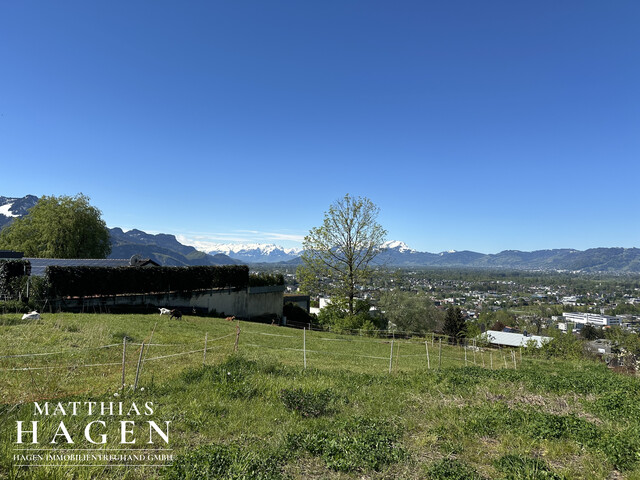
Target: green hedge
column 90, row 281
column 11, row 270
column 265, row 279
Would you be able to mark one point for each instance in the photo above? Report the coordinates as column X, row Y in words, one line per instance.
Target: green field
column 259, row 413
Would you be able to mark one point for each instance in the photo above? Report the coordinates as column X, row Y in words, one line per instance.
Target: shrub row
column 265, row 279
column 10, row 270
column 88, row 281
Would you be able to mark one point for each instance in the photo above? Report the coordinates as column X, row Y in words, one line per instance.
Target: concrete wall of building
column 243, row 303
column 303, row 301
column 265, row 301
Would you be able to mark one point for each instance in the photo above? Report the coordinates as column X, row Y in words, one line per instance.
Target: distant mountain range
column 592, row 260
column 256, row 252
column 612, row 260
column 162, row 248
column 166, row 250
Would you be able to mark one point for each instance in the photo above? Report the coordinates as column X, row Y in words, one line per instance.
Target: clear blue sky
column 473, row 125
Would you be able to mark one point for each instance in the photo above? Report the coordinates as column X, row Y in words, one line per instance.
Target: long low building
column 510, row 339
column 594, row 319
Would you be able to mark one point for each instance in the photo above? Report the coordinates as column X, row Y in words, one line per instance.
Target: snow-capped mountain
column 15, row 207
column 401, row 247
column 256, row 252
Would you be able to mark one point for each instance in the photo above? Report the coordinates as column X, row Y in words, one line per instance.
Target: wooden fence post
column 204, row 352
column 426, row 345
column 135, row 384
column 304, row 346
column 391, row 356
column 124, row 357
column 235, row 345
column 149, row 344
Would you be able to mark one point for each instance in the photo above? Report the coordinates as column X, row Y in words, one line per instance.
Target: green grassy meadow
column 259, row 413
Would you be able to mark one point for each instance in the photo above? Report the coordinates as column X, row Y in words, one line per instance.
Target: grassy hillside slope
column 259, row 413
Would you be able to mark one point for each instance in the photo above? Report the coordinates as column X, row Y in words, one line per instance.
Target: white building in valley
column 512, row 339
column 594, row 319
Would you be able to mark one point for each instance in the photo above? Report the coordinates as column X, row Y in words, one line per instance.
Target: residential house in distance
column 571, row 300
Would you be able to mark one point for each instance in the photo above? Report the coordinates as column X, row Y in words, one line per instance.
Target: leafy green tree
column 562, row 345
column 337, row 255
column 498, row 326
column 473, row 330
column 624, row 339
column 626, row 309
column 536, row 323
column 336, row 316
column 410, row 312
column 589, row 332
column 497, row 320
column 332, row 313
column 454, row 324
column 59, row 227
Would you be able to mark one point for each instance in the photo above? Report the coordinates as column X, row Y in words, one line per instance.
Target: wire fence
column 115, row 367
column 114, row 364
column 403, row 353
column 77, row 365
